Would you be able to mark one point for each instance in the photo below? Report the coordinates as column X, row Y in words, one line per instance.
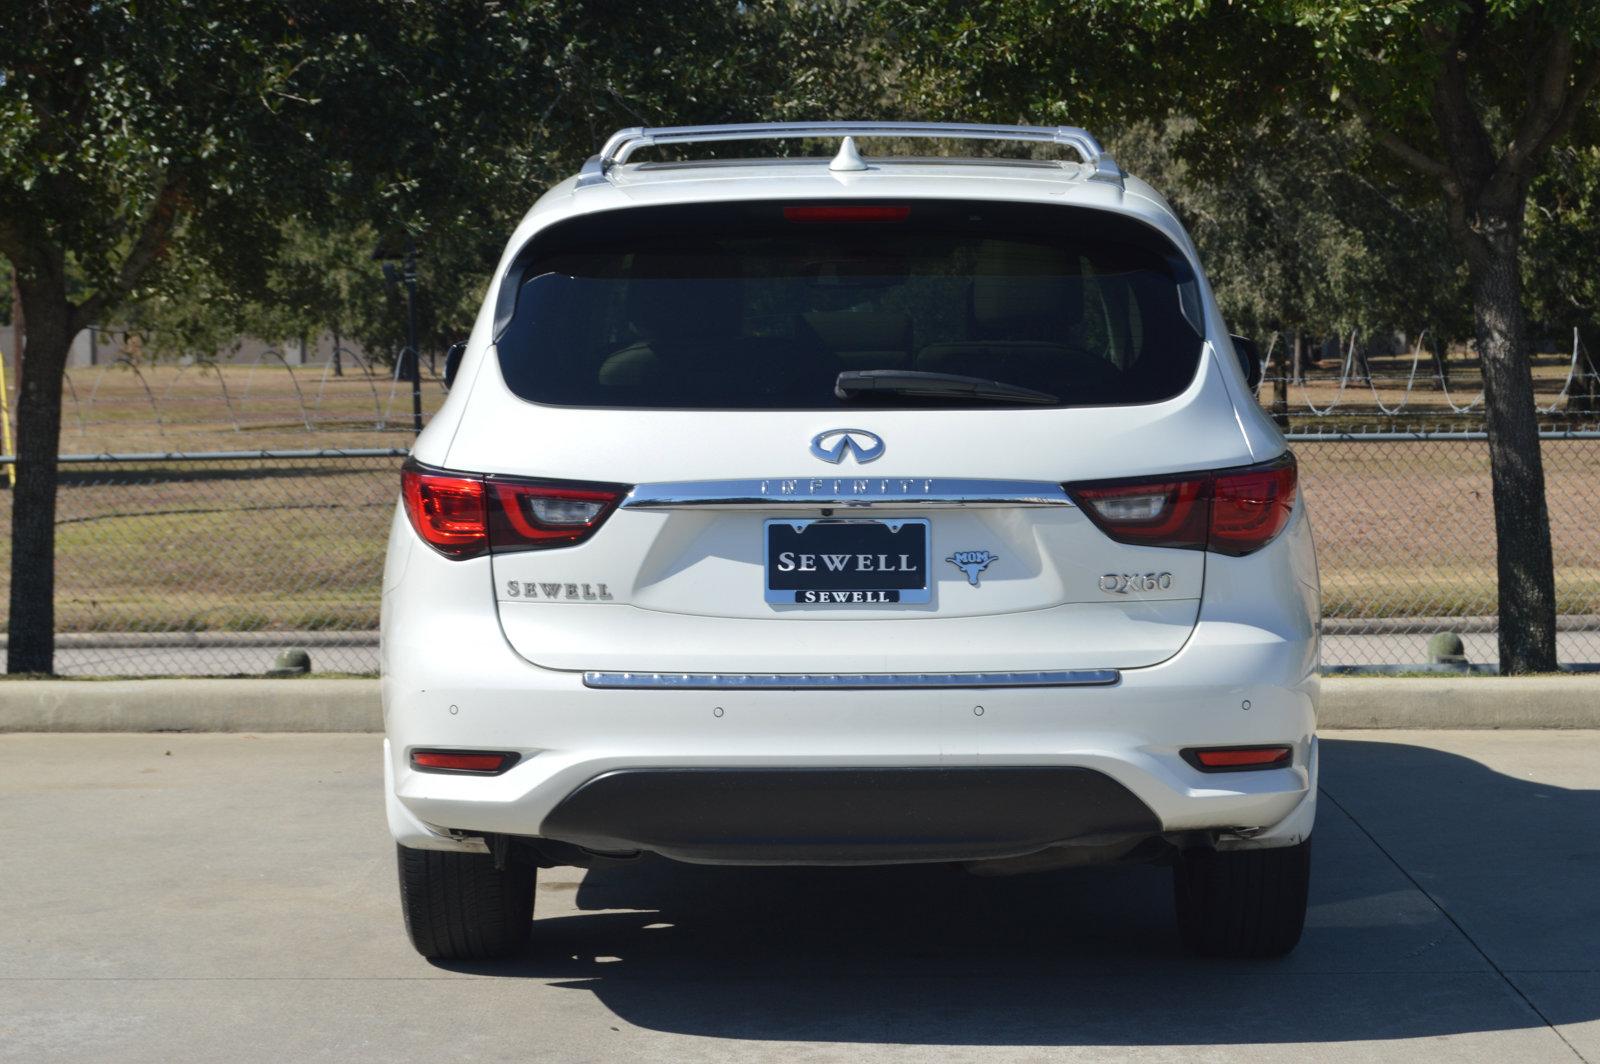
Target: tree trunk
column 31, row 646
column 19, row 331
column 1363, row 371
column 1586, row 398
column 1521, row 517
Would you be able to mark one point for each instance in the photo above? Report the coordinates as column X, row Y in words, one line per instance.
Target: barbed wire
column 1575, row 373
column 265, row 393
column 1344, row 380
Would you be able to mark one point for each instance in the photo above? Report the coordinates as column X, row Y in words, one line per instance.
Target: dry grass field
column 1404, row 529
column 1407, row 529
column 120, row 408
column 238, row 547
column 229, row 546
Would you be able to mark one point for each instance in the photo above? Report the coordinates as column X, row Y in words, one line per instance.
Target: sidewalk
column 231, row 897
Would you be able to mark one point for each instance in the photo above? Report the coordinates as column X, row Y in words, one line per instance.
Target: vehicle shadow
column 934, row 955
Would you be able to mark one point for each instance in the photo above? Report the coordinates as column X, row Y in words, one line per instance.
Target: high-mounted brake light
column 473, row 761
column 1239, row 758
column 462, row 516
column 846, row 214
column 1229, row 511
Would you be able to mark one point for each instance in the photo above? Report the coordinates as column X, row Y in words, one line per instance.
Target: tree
column 128, row 130
column 319, row 279
column 115, row 127
column 508, row 109
column 1563, row 233
column 1293, row 242
column 1466, row 98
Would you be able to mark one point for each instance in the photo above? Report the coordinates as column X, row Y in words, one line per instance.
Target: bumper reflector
column 473, row 761
column 1239, row 758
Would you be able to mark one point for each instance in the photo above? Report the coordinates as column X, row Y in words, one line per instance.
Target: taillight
column 1239, row 758
column 462, row 516
column 1229, row 511
column 1163, row 513
column 1249, row 508
column 528, row 516
column 446, row 510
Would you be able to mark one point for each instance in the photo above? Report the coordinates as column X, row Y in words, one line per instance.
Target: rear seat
column 864, row 340
column 1027, row 324
column 689, row 330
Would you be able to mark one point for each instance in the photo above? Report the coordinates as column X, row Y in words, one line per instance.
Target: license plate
column 848, row 562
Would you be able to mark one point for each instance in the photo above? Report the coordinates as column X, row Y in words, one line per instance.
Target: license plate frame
column 862, row 591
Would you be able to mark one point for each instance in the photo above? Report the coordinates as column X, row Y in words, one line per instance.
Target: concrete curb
column 1571, row 701
column 313, row 705
column 198, row 705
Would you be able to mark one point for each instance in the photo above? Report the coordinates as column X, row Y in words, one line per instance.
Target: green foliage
column 1563, row 284
column 548, row 81
column 1295, row 237
column 316, row 280
column 444, row 122
column 118, row 119
column 287, row 142
column 1297, row 137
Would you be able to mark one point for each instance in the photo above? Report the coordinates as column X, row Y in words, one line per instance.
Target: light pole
column 408, row 277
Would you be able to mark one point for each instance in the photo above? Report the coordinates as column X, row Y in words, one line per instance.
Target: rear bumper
column 1247, row 676
column 844, row 816
column 1129, row 734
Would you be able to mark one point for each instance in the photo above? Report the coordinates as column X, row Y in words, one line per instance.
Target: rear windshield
column 764, row 305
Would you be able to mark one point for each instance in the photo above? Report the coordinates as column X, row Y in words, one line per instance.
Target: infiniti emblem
column 831, row 446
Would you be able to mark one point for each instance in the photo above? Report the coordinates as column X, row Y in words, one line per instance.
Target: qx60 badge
column 834, row 444
column 1123, row 583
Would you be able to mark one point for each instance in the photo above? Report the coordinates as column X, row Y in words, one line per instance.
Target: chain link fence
column 210, row 565
column 191, row 565
column 1404, row 524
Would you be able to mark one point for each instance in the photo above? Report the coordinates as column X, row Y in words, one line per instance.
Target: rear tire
column 458, row 907
column 1242, row 903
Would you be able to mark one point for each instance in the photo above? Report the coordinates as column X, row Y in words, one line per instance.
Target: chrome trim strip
column 796, row 681
column 624, row 142
column 858, row 492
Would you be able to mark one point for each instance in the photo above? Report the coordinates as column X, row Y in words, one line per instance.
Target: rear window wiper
column 865, row 383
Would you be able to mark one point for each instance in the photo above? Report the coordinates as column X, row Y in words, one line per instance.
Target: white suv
column 851, row 511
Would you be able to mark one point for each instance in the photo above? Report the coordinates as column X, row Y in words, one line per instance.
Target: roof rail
column 625, row 142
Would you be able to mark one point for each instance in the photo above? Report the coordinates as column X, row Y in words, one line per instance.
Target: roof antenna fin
column 848, row 158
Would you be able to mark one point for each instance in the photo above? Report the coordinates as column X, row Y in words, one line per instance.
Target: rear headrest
column 855, row 330
column 1029, row 287
column 669, row 296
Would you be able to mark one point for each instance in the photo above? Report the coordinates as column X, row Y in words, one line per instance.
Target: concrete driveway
column 232, row 898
